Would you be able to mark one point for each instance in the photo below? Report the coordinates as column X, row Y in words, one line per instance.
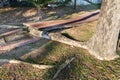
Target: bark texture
column 103, row 44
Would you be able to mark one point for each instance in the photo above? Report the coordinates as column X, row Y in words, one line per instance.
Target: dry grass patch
column 20, row 72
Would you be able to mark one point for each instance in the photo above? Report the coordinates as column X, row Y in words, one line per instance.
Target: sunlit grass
column 84, row 67
column 82, row 32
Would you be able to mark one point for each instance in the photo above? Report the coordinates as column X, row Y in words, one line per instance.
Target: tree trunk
column 104, row 42
column 75, row 4
column 1, row 3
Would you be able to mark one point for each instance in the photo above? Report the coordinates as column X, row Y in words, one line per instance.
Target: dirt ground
column 20, row 15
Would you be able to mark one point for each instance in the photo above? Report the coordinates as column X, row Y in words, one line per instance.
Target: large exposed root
column 2, row 61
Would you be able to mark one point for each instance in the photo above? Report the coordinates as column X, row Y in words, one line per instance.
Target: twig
column 67, row 62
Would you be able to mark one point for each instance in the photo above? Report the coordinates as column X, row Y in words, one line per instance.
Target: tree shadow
column 27, row 14
column 22, row 51
column 17, row 15
column 66, row 12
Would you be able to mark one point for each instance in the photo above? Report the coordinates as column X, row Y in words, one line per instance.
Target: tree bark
column 104, row 42
column 75, row 4
column 1, row 3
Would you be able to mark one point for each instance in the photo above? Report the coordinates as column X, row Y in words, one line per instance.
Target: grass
column 81, row 33
column 20, row 72
column 84, row 67
column 53, row 53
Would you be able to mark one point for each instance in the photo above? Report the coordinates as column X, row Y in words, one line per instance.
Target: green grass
column 82, row 32
column 54, row 52
column 84, row 67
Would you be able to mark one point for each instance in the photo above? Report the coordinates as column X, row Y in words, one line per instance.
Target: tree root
column 19, row 62
column 60, row 38
column 67, row 62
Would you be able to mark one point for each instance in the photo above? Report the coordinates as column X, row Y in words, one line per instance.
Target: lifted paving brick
column 90, row 16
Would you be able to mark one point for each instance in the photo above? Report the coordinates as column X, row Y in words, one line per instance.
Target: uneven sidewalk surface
column 90, row 16
column 24, row 57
